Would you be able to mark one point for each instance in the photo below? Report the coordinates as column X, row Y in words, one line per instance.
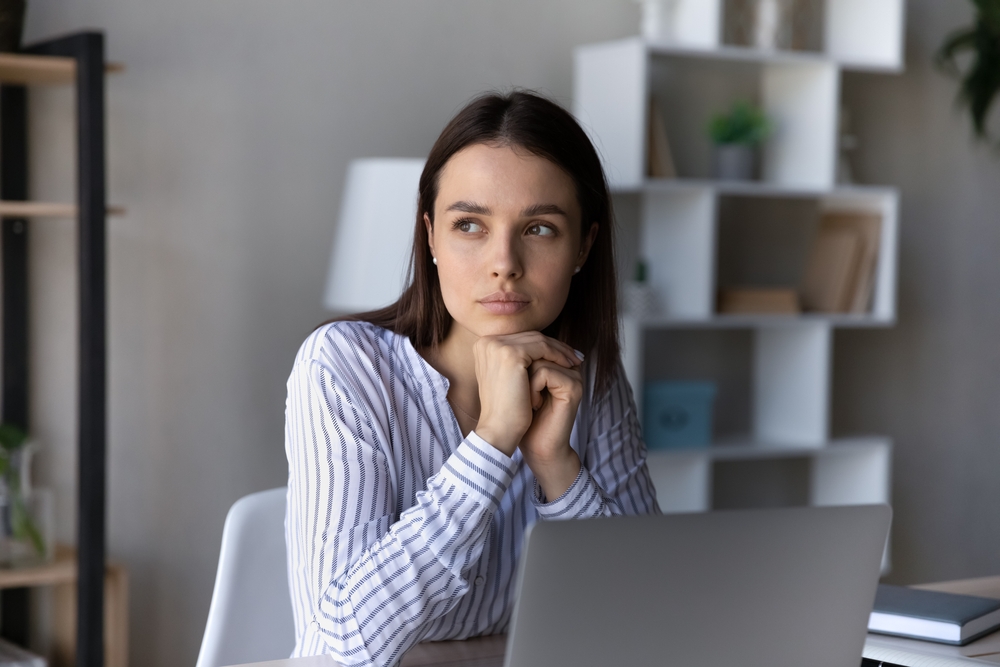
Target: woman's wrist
column 555, row 475
column 505, row 442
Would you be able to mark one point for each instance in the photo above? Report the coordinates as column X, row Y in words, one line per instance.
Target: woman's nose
column 506, row 258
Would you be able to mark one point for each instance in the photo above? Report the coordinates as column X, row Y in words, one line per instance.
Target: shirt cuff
column 583, row 499
column 481, row 467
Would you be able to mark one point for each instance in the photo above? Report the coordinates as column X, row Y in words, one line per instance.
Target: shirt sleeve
column 375, row 581
column 613, row 477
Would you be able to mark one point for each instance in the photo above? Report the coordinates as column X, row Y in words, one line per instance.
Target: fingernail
column 579, row 354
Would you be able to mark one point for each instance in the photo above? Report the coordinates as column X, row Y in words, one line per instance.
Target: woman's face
column 506, row 237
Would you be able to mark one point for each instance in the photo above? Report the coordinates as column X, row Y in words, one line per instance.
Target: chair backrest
column 250, row 619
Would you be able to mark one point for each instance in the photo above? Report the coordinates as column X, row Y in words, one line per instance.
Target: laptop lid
column 748, row 588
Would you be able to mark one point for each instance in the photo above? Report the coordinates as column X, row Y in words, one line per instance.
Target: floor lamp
column 371, row 245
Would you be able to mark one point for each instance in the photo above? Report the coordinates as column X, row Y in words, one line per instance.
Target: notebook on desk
column 915, row 653
column 753, row 588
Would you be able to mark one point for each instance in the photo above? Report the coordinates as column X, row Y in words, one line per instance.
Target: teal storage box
column 677, row 414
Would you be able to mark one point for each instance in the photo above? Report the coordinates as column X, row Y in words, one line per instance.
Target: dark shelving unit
column 86, row 71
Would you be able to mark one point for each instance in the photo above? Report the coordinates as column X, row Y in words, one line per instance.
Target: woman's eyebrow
column 470, row 207
column 543, row 209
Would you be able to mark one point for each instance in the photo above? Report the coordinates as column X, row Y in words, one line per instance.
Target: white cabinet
column 691, row 74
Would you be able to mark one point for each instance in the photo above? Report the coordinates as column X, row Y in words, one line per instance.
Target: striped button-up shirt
column 399, row 530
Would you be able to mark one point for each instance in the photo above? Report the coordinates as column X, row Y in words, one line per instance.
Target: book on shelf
column 946, row 618
column 660, row 159
column 840, row 273
column 759, row 301
column 868, row 227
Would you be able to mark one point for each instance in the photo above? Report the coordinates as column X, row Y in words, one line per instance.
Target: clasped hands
column 530, row 387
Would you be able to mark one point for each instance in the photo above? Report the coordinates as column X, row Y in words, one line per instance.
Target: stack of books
column 759, row 301
column 659, row 157
column 946, row 618
column 840, row 274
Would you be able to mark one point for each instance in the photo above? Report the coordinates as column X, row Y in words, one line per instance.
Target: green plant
column 12, row 439
column 640, row 272
column 744, row 123
column 980, row 78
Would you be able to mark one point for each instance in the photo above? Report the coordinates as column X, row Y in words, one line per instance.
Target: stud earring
column 435, row 260
column 576, row 270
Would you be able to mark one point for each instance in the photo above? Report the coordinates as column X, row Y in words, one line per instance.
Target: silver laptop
column 750, row 588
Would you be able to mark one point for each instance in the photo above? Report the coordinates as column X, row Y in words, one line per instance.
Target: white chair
column 250, row 619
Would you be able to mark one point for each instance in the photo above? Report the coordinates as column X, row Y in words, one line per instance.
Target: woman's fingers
column 506, row 393
column 530, row 346
column 562, row 383
column 556, row 393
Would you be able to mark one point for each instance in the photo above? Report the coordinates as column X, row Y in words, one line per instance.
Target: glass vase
column 26, row 513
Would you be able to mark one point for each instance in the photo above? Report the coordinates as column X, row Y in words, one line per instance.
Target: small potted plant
column 737, row 135
column 639, row 299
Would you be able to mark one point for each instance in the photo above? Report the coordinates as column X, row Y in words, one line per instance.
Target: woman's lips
column 505, row 303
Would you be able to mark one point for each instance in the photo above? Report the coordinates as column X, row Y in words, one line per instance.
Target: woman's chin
column 480, row 323
column 503, row 326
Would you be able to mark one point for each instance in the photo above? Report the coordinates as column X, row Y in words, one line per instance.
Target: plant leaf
column 956, row 42
column 24, row 527
column 989, row 14
column 11, row 437
column 980, row 80
column 744, row 123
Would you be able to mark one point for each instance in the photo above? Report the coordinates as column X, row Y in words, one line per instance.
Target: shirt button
column 480, row 580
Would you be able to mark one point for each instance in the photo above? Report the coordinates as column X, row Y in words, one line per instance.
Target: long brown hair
column 589, row 319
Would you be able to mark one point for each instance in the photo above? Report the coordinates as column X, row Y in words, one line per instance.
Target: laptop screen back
column 751, row 588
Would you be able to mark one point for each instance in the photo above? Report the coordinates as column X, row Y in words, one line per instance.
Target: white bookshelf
column 691, row 74
column 846, row 471
column 858, row 34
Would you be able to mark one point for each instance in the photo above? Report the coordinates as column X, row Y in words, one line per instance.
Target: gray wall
column 933, row 382
column 229, row 135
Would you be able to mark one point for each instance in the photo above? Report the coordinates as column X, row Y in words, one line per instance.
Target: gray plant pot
column 735, row 162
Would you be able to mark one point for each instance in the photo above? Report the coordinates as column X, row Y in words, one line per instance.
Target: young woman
column 424, row 438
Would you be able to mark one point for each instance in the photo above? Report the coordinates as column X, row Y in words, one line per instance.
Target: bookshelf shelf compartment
column 616, row 81
column 856, row 34
column 845, row 471
column 688, row 236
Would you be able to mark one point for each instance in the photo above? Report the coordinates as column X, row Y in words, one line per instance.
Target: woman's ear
column 430, row 233
column 586, row 243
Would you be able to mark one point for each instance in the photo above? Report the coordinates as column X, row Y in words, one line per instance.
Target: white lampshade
column 371, row 246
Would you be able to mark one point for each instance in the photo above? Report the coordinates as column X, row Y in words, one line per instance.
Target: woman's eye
column 541, row 230
column 468, row 226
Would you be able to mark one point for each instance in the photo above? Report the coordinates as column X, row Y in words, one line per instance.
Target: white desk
column 488, row 651
column 986, row 648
